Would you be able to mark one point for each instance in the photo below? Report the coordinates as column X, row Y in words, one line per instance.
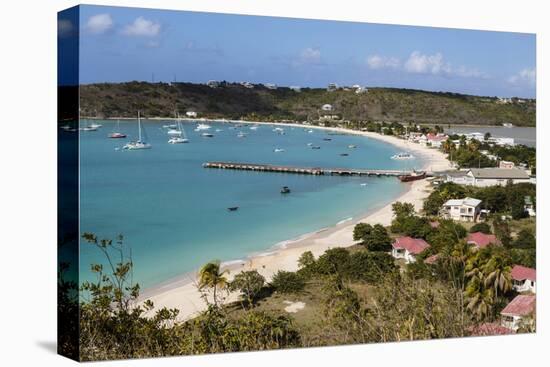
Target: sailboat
column 179, row 138
column 139, row 144
column 116, row 134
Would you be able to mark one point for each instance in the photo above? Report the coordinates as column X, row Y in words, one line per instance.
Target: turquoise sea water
column 173, row 212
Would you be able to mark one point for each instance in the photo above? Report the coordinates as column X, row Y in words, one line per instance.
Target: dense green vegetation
column 475, row 154
column 352, row 295
column 233, row 101
column 509, row 199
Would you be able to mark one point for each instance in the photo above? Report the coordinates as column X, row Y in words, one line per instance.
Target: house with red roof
column 490, row 328
column 432, row 259
column 517, row 311
column 481, row 240
column 407, row 248
column 524, row 279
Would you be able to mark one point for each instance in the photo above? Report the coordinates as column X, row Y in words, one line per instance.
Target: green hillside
column 234, row 101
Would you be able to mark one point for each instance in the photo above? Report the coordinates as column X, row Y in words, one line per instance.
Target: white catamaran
column 139, row 144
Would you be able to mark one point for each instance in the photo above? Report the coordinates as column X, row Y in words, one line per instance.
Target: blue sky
column 123, row 44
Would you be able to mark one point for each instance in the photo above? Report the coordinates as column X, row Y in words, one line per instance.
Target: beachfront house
column 481, row 240
column 516, row 312
column 408, row 248
column 466, row 210
column 433, row 140
column 484, row 177
column 191, row 114
column 524, row 279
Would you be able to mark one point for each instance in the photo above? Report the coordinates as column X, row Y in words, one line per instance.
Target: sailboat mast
column 139, row 128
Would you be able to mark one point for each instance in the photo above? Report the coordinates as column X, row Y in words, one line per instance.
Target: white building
column 407, row 248
column 332, row 87
column 213, row 83
column 529, row 206
column 326, row 107
column 524, row 279
column 506, row 164
column 466, row 210
column 191, row 114
column 483, row 177
column 295, row 88
column 270, row 86
column 517, row 311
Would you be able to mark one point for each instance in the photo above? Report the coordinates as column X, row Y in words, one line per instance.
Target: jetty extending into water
column 316, row 171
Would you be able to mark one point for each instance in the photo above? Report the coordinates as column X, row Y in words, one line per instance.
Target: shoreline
column 181, row 292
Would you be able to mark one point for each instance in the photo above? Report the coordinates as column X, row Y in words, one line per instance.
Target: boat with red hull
column 416, row 175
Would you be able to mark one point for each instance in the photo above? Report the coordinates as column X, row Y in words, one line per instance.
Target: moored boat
column 416, row 175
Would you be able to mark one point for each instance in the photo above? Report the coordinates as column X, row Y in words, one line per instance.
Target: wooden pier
column 315, row 171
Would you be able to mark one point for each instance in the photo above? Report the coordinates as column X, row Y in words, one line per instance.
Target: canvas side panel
column 67, row 183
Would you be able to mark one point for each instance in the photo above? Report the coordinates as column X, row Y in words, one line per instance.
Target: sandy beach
column 182, row 293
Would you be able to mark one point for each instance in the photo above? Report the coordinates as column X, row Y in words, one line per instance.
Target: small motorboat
column 241, row 135
column 278, row 150
column 88, row 128
column 233, row 208
column 310, row 131
column 402, row 155
column 285, row 190
column 207, row 135
column 315, row 147
column 327, row 139
column 117, row 135
column 309, row 144
column 255, row 127
column 344, row 154
column 177, row 140
column 352, row 146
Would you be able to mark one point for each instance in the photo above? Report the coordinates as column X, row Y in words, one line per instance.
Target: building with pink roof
column 516, row 311
column 480, row 239
column 524, row 279
column 407, row 248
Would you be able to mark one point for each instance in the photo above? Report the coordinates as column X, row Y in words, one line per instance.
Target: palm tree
column 497, row 275
column 211, row 276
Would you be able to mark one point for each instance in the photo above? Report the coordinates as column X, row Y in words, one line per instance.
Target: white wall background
column 28, row 180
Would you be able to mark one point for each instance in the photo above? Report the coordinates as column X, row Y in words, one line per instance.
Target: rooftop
column 522, row 305
column 481, row 239
column 521, row 273
column 413, row 245
column 490, row 328
column 502, row 173
column 466, row 201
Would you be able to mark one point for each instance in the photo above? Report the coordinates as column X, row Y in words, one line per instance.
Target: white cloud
column 142, row 27
column 382, row 62
column 310, row 56
column 432, row 64
column 524, row 77
column 99, row 23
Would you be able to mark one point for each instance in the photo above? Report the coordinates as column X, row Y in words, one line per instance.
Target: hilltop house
column 295, row 88
column 483, row 177
column 407, row 248
column 326, row 107
column 480, row 239
column 213, row 83
column 332, row 87
column 466, row 209
column 517, row 310
column 524, row 279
